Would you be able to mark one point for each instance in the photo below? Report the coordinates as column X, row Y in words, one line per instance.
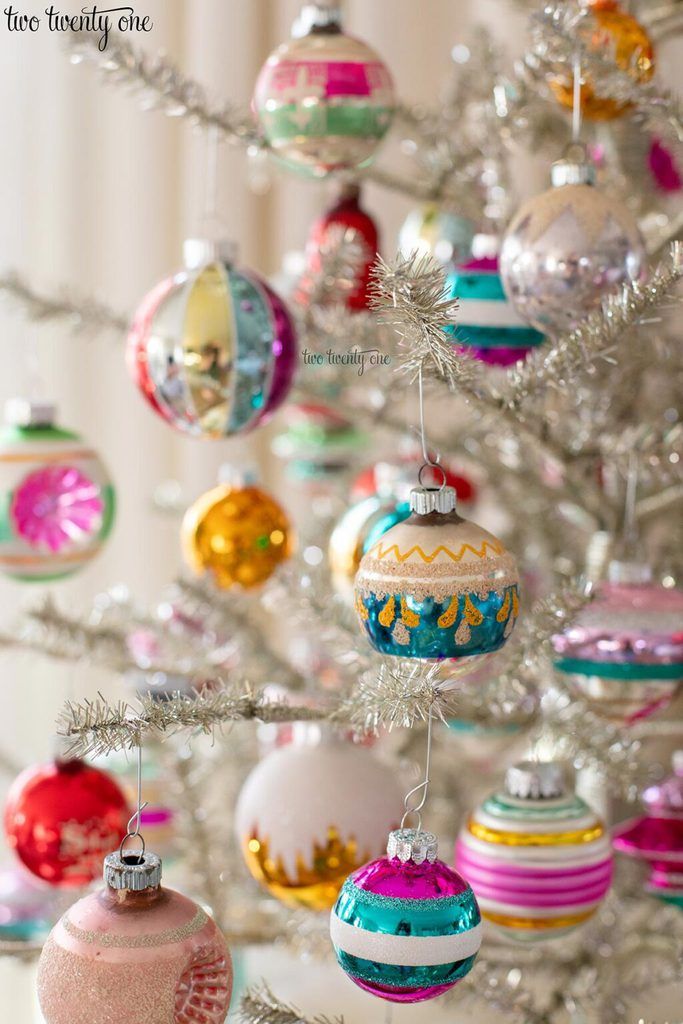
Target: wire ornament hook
column 428, row 462
column 422, row 787
column 134, row 822
column 576, row 100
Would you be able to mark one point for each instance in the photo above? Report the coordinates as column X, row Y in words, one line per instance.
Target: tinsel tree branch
column 260, row 1006
column 596, row 335
column 80, row 313
column 161, row 86
column 340, row 258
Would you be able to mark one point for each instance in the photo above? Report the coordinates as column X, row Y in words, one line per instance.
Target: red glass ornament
column 346, row 213
column 61, row 818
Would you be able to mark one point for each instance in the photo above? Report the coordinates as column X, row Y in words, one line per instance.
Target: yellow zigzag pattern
column 487, row 548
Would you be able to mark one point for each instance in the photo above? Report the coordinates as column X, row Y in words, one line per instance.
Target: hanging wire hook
column 133, row 826
column 423, row 786
column 428, row 461
column 576, row 101
column 630, row 528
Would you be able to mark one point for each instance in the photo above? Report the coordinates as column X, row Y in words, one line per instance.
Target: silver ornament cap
column 570, row 171
column 22, row 412
column 133, row 872
column 424, row 500
column 325, row 16
column 412, row 844
column 535, row 780
column 198, row 252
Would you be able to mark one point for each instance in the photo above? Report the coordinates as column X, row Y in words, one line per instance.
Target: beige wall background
column 97, row 195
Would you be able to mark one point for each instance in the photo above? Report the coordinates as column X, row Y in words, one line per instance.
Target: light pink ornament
column 135, row 952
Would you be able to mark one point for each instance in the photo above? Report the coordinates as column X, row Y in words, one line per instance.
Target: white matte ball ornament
column 311, row 813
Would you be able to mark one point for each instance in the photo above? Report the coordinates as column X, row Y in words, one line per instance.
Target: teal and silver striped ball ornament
column 406, row 927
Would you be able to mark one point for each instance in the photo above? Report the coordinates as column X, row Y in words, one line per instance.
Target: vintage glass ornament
column 569, row 248
column 62, row 817
column 57, row 498
column 406, row 927
column 316, row 442
column 236, row 534
column 432, row 231
column 538, row 858
column 358, row 529
column 347, row 217
column 27, row 906
column 324, row 100
column 135, row 951
column 488, row 326
column 622, row 36
column 213, row 348
column 623, row 652
column 313, row 811
column 657, row 836
column 437, row 586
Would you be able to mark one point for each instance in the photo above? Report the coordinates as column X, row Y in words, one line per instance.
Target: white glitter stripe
column 404, row 950
column 538, row 825
column 487, row 313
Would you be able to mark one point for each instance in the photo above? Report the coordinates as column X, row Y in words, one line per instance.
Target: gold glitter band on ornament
column 537, row 923
column 492, row 835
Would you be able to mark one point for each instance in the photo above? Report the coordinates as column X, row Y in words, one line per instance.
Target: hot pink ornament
column 135, row 952
column 56, row 506
column 657, row 837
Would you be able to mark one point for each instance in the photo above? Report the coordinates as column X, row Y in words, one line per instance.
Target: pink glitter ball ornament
column 56, row 506
column 657, row 836
column 135, row 952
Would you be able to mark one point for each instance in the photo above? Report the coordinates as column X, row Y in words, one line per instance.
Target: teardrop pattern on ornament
column 515, row 603
column 203, row 992
column 409, row 618
column 388, row 613
column 472, row 614
column 509, row 625
column 447, row 618
column 504, row 610
column 463, row 633
column 363, row 613
column 400, row 634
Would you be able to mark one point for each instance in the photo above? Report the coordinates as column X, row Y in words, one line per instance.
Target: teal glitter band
column 376, row 899
column 385, row 915
column 403, row 977
column 497, row 806
column 627, row 672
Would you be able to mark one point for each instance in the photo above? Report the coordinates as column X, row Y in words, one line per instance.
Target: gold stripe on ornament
column 168, row 937
column 487, row 550
column 492, row 835
column 545, row 923
column 61, row 456
column 49, row 558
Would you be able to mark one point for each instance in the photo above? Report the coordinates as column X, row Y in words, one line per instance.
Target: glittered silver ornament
column 567, row 249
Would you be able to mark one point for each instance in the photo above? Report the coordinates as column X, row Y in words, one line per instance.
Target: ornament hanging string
column 210, row 212
column 428, row 462
column 133, row 827
column 629, row 531
column 422, row 787
column 576, row 101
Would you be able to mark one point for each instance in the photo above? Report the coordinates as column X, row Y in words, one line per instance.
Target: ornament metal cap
column 198, row 252
column 412, row 844
column 568, row 171
column 424, row 500
column 629, row 572
column 323, row 16
column 132, row 871
column 22, row 412
column 535, row 780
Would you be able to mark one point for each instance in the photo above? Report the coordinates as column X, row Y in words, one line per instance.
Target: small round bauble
column 437, row 586
column 623, row 652
column 212, row 349
column 355, row 533
column 431, row 231
column 324, row 101
column 135, row 951
column 657, row 836
column 27, row 906
column 536, row 855
column 317, row 442
column 236, row 534
column 57, row 497
column 61, row 819
column 406, row 927
column 310, row 813
column 567, row 249
column 628, row 44
column 488, row 325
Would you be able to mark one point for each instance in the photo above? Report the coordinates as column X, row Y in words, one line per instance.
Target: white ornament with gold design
column 437, row 586
column 312, row 812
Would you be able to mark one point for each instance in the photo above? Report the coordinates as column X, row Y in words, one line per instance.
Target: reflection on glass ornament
column 324, row 100
column 437, row 586
column 58, row 500
column 27, row 906
column 347, row 218
column 236, row 534
column 628, row 44
column 212, row 349
column 62, row 817
column 488, row 326
column 317, row 442
column 135, row 951
column 406, row 927
column 432, row 231
column 657, row 836
column 623, row 653
column 313, row 811
column 569, row 248
column 538, row 858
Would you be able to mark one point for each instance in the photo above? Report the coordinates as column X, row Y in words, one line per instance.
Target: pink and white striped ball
column 537, row 857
